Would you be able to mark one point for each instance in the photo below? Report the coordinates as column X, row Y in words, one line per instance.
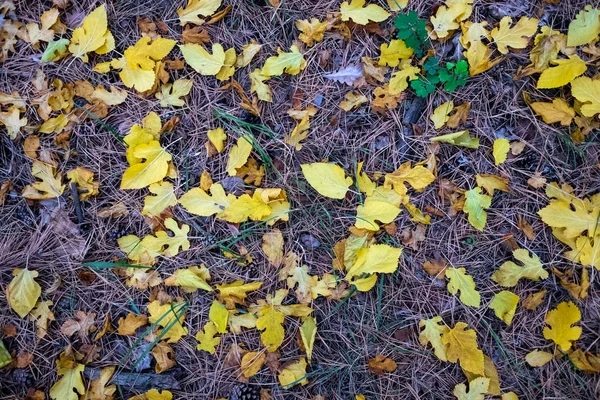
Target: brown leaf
column 517, row 148
column 461, row 113
column 9, row 330
column 165, row 357
column 435, row 268
column 106, row 327
column 147, row 27
column 171, row 124
column 127, row 326
column 86, row 277
column 176, row 64
column 4, row 189
column 533, row 301
column 381, row 364
column 82, row 325
column 60, row 3
column 24, row 359
column 219, row 16
column 115, row 210
column 402, row 334
column 196, row 34
column 391, row 228
column 272, row 361
column 578, row 291
column 32, row 393
column 31, row 146
column 88, row 353
column 537, row 181
column 526, row 228
column 413, row 237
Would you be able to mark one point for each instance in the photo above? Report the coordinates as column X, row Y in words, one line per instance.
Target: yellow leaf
column 509, row 273
column 500, row 151
column 13, row 122
column 228, row 67
column 198, row 202
column 587, row 91
column 462, row 347
column 490, row 372
column 461, row 138
column 55, row 125
column 473, row 32
column 397, row 5
column 113, row 97
column 257, row 85
column 248, row 52
column 475, row 205
column 45, row 33
column 560, row 321
column 564, row 72
column 128, row 325
column 236, row 292
column 202, row 61
column 491, row 183
column 84, row 179
column 477, row 389
column 300, row 132
column 252, row 362
column 219, row 315
column 145, row 173
column 362, row 16
column 23, row 291
column 446, row 19
column 270, row 321
column 585, row 361
column 170, row 94
column 353, row 100
column 516, row 37
column 92, row 35
column 504, row 305
column 164, row 197
column 574, row 216
column 206, row 338
column 479, row 57
column 292, row 374
column 238, row 155
column 585, row 27
column 432, row 334
column 308, row 333
column 557, row 111
column 328, row 179
column 538, row 358
column 98, row 389
column 42, row 315
column 195, row 8
column 418, row 177
column 272, row 246
column 378, row 258
column 399, row 80
column 170, row 316
column 441, row 114
column 311, row 32
column 246, row 207
column 291, row 63
column 217, row 137
column 460, row 281
column 394, row 52
column 67, row 387
column 139, row 61
column 190, row 279
column 365, row 184
column 50, row 186
column 375, row 210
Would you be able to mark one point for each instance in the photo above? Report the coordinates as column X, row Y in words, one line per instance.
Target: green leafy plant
column 452, row 75
column 413, row 31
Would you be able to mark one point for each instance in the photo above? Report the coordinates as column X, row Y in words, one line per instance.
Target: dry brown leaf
column 533, row 301
column 116, row 210
column 517, row 148
column 526, row 228
column 436, row 268
column 165, row 357
column 196, row 34
column 24, row 359
column 461, row 113
column 537, row 181
column 176, row 64
column 127, row 326
column 31, row 146
column 381, row 364
column 5, row 187
column 219, row 16
column 9, row 330
column 272, row 246
column 567, row 280
column 82, row 325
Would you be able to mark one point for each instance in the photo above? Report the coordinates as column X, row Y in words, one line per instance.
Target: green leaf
column 413, row 31
column 422, row 87
column 55, row 50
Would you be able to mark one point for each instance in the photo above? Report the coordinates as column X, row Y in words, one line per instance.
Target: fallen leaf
column 362, row 15
column 381, row 364
column 516, row 37
column 477, row 389
column 348, row 75
column 23, row 291
column 538, row 358
column 170, row 94
column 328, row 179
column 560, row 321
column 293, row 373
column 460, row 281
column 128, row 326
column 504, row 305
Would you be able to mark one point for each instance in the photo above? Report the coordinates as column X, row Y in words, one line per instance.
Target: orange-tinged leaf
column 380, row 364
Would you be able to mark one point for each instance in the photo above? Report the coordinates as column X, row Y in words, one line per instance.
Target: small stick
column 78, row 210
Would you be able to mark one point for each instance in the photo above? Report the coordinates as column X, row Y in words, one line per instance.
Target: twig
column 77, row 202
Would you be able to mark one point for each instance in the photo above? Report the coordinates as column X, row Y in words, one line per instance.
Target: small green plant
column 413, row 31
column 452, row 75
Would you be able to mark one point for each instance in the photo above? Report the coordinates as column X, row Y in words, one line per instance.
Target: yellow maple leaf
column 516, row 37
column 249, row 50
column 270, row 321
column 217, row 137
column 55, row 124
column 170, row 94
column 460, row 281
column 198, row 202
column 190, row 279
column 238, row 155
column 42, row 315
column 246, row 207
column 504, row 305
column 170, row 317
column 51, row 182
column 71, row 383
column 475, row 205
column 432, row 334
column 394, row 52
column 257, row 85
column 560, row 321
column 479, row 57
column 12, row 120
column 500, row 150
column 490, row 372
column 328, row 179
column 23, row 291
column 206, row 338
column 565, row 71
column 92, row 35
column 252, row 362
column 113, row 97
column 587, row 91
column 491, row 183
column 127, row 326
column 84, row 179
column 291, row 63
column 447, row 18
column 462, row 347
column 440, row 115
column 145, row 173
column 473, row 32
column 236, row 292
column 378, row 258
column 418, row 177
column 311, row 31
column 362, row 15
column 353, row 100
column 557, row 111
column 585, row 28
column 293, row 373
column 44, row 33
column 399, row 80
column 509, row 273
column 164, row 197
column 571, row 214
column 478, row 388
column 191, row 13
column 299, row 133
